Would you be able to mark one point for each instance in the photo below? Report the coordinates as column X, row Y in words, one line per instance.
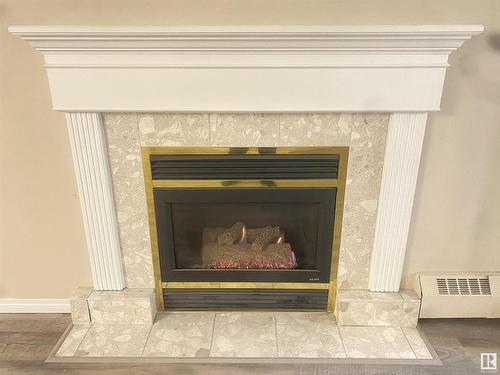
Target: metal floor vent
column 473, row 286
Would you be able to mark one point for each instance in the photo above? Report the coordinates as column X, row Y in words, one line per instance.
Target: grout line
column 428, row 345
column 276, row 335
column 279, row 129
column 139, row 133
column 210, row 116
column 146, row 342
column 408, row 342
column 212, row 336
column 342, row 341
column 81, row 342
column 62, row 339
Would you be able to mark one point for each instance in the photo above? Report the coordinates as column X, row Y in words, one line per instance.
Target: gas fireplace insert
column 259, row 221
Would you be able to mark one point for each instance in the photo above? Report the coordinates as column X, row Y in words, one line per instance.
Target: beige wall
column 456, row 221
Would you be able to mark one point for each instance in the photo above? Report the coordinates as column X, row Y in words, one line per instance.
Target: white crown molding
column 40, row 305
column 249, row 39
column 259, row 69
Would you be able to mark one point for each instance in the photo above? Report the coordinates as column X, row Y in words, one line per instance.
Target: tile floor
column 244, row 335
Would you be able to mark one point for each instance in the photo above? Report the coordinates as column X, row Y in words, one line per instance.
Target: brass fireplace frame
column 339, row 183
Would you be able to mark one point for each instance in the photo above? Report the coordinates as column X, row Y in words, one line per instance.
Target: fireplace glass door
column 245, row 234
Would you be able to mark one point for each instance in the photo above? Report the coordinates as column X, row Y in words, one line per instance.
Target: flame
column 244, row 234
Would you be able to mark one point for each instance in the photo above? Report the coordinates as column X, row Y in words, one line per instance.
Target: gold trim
column 340, row 183
column 300, row 285
column 242, row 150
column 155, row 253
column 243, row 183
column 243, row 285
column 337, row 226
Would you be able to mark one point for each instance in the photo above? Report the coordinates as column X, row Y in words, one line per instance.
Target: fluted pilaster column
column 88, row 145
column 399, row 178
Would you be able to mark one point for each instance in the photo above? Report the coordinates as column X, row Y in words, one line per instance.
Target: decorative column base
column 125, row 307
column 80, row 314
column 365, row 308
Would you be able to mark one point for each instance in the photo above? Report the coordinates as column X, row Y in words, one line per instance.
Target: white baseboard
column 39, row 305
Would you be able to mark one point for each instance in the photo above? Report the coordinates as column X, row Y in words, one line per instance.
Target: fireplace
column 125, row 90
column 260, row 222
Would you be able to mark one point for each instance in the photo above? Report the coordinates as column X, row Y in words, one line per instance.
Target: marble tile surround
column 80, row 313
column 362, row 307
column 124, row 152
column 244, row 335
column 365, row 134
column 417, row 344
column 128, row 307
column 181, row 335
column 376, row 342
column 308, row 336
column 364, row 175
column 113, row 341
column 72, row 341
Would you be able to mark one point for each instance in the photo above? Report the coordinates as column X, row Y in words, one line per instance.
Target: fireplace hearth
column 258, row 222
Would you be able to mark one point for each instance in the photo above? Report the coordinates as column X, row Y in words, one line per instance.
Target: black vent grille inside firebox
column 247, row 299
column 243, row 167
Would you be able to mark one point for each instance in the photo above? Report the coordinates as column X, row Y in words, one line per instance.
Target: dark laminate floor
column 26, row 340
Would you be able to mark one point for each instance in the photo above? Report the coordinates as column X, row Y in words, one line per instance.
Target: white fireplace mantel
column 247, row 69
column 396, row 69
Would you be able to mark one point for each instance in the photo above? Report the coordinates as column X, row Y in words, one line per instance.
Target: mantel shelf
column 247, row 69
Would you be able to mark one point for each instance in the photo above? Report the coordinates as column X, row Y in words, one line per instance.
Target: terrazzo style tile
column 72, row 341
column 411, row 307
column 114, row 341
column 308, row 336
column 409, row 316
column 180, row 335
column 174, row 129
column 133, row 224
column 314, row 129
column 124, row 152
column 364, row 174
column 375, row 342
column 244, row 130
column 409, row 295
column 244, row 335
column 373, row 313
column 365, row 308
column 79, row 307
column 364, row 133
column 125, row 307
column 361, row 294
column 417, row 343
column 122, row 133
